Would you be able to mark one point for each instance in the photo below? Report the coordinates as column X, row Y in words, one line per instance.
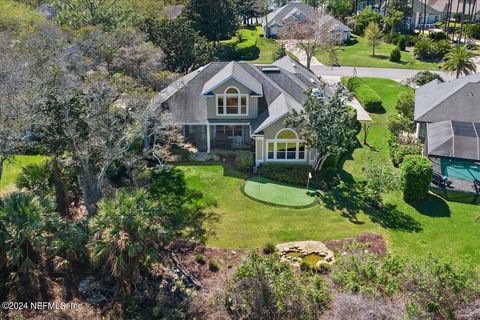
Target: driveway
column 389, row 73
column 291, row 45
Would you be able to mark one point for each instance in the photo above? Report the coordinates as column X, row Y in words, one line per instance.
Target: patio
column 461, row 190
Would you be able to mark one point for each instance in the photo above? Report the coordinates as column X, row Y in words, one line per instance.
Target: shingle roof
column 233, row 70
column 454, row 139
column 299, row 11
column 281, row 90
column 457, row 100
column 281, row 13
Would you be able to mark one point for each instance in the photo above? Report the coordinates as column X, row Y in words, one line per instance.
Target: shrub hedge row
column 416, row 175
column 367, row 97
column 284, row 172
column 298, row 173
column 243, row 158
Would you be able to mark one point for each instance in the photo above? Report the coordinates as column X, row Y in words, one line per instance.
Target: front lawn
column 435, row 226
column 359, row 54
column 13, row 168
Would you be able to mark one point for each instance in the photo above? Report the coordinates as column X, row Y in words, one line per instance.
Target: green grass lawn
column 435, row 226
column 266, row 47
column 360, row 55
column 273, row 192
column 12, row 169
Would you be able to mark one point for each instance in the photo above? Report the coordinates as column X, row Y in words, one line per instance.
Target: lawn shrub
column 200, row 258
column 405, row 104
column 368, row 98
column 395, row 55
column 269, row 248
column 280, row 52
column 398, row 152
column 423, row 77
column 402, row 45
column 244, row 160
column 213, row 265
column 417, row 175
column 284, row 172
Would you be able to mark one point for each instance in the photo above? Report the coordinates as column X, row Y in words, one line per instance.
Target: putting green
column 277, row 193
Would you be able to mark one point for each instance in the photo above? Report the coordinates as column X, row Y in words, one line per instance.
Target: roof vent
column 293, row 64
column 270, row 69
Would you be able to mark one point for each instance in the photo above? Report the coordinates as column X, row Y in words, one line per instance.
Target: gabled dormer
column 232, row 92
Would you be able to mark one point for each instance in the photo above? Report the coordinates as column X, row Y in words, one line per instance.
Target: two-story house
column 238, row 105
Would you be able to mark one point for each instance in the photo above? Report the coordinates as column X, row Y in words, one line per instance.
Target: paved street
column 394, row 74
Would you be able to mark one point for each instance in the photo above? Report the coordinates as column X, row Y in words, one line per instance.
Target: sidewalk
column 389, row 73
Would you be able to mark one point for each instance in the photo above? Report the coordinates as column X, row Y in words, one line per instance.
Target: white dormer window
column 232, row 102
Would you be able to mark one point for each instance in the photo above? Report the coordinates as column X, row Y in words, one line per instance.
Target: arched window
column 287, row 134
column 232, row 102
column 286, row 146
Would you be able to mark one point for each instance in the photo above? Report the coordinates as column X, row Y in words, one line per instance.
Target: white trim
column 297, row 150
column 263, row 126
column 205, row 92
column 229, row 123
column 208, row 138
column 239, row 96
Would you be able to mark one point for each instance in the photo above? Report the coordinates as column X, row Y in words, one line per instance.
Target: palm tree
column 460, row 61
column 26, row 221
column 128, row 235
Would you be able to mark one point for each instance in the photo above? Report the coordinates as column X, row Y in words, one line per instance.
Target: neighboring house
column 238, row 105
column 456, row 100
column 448, row 121
column 298, row 12
column 437, row 10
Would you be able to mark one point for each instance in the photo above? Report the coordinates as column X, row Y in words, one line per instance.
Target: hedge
column 243, row 158
column 367, row 97
column 417, row 174
column 398, row 152
column 298, row 173
column 284, row 172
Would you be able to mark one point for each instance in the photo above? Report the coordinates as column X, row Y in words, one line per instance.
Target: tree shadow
column 390, row 217
column 379, row 56
column 348, row 198
column 434, row 206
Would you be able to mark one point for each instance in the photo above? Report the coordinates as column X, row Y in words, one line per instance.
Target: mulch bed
column 375, row 243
